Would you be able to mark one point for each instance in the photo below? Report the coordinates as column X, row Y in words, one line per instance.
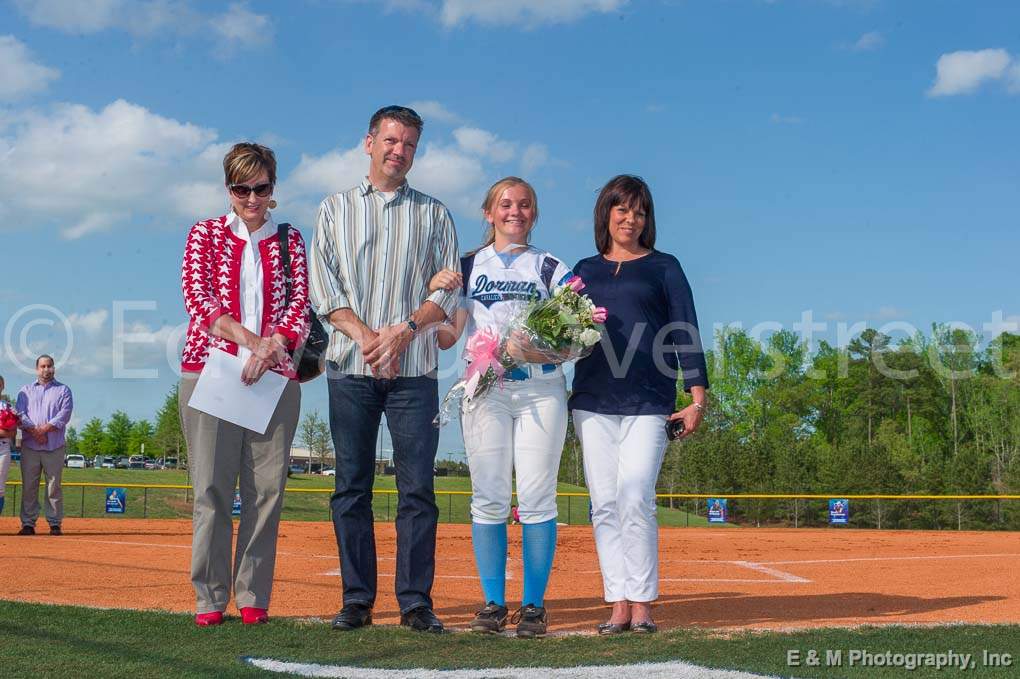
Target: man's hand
column 383, row 352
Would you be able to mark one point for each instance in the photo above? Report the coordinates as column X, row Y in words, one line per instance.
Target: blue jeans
column 356, row 405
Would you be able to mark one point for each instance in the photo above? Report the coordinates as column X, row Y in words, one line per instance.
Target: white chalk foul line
column 670, row 670
column 935, row 557
column 774, row 572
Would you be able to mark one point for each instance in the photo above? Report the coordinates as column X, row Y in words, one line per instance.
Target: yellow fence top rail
column 665, row 496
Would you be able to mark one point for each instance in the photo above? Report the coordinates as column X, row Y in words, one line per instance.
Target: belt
column 529, row 370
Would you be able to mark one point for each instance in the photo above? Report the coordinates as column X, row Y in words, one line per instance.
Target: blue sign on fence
column 839, row 511
column 236, row 510
column 116, row 500
column 717, row 510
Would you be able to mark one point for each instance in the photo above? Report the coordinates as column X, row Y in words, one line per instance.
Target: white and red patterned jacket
column 210, row 279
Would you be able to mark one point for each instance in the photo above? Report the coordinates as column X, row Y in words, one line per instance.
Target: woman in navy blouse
column 624, row 396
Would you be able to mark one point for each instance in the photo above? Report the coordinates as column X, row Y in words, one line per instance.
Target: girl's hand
column 446, row 280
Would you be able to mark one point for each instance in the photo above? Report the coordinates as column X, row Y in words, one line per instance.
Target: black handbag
column 310, row 357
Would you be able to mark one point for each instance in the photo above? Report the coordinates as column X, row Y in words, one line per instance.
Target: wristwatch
column 412, row 325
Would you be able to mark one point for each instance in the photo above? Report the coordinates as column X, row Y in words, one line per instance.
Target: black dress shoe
column 422, row 619
column 27, row 530
column 352, row 616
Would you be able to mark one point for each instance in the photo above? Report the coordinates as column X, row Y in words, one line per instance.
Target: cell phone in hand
column 674, row 429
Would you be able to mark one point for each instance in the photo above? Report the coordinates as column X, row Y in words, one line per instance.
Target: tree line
column 120, row 436
column 932, row 414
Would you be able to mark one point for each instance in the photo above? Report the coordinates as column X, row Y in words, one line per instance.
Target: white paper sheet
column 221, row 393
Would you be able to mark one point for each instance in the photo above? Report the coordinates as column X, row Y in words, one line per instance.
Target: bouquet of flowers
column 8, row 416
column 564, row 327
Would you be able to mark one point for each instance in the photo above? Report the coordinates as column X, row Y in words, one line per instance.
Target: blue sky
column 855, row 159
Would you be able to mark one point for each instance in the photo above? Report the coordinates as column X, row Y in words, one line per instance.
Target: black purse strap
column 282, row 234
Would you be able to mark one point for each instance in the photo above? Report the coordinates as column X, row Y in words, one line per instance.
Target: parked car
column 75, row 462
column 151, row 464
column 169, row 463
column 296, row 469
column 122, row 463
column 108, row 463
column 329, row 471
column 136, row 462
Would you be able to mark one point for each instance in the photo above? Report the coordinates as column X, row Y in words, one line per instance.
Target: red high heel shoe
column 254, row 616
column 209, row 619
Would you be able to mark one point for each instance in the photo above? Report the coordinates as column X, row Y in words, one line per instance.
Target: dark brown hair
column 628, row 190
column 246, row 160
column 403, row 115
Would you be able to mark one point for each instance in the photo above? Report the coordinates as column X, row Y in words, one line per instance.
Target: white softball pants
column 622, row 457
column 521, row 428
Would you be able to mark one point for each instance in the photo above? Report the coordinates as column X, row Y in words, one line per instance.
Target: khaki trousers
column 33, row 464
column 222, row 456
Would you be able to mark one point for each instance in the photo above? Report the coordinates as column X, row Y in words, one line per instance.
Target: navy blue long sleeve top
column 652, row 329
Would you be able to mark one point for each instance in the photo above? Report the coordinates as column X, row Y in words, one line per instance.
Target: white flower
column 590, row 336
column 558, row 291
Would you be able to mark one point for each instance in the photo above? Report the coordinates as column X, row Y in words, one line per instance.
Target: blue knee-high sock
column 539, row 549
column 489, row 542
column 1, row 504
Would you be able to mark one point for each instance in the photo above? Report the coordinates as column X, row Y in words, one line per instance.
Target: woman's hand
column 270, row 349
column 692, row 416
column 446, row 280
column 520, row 349
column 254, row 369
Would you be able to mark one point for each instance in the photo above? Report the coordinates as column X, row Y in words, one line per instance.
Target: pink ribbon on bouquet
column 483, row 353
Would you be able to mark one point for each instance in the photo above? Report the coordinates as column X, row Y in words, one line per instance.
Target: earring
column 272, row 205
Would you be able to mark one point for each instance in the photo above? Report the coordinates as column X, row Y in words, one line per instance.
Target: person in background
column 621, row 406
column 235, row 293
column 44, row 407
column 6, row 442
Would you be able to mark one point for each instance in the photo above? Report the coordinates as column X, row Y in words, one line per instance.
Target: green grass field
column 58, row 641
column 298, row 506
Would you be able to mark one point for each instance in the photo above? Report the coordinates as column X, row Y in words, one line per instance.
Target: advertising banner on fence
column 116, row 500
column 717, row 510
column 839, row 511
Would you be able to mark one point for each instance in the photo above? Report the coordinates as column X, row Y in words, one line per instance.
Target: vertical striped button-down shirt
column 376, row 255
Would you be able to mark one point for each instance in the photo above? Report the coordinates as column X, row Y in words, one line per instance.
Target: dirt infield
column 725, row 579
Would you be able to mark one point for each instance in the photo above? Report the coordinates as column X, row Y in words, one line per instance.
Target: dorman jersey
column 496, row 286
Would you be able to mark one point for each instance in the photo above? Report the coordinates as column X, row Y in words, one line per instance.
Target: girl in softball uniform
column 519, row 427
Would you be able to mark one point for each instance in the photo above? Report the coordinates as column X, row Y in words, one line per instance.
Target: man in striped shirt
column 375, row 248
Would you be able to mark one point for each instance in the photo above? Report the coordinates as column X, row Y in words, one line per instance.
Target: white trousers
column 5, row 466
column 519, row 427
column 622, row 457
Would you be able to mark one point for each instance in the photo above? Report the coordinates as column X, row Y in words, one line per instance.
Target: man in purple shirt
column 45, row 409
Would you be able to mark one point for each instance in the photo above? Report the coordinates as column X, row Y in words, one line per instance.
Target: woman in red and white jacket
column 236, row 294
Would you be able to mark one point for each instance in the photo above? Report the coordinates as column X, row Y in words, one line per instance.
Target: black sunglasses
column 244, row 190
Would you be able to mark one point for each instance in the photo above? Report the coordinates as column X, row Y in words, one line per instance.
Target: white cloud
column 777, row 119
column 869, row 41
column 888, row 313
column 236, row 28
column 1013, row 78
column 963, row 72
column 240, row 26
column 87, row 170
column 534, row 157
column 90, row 321
column 433, row 110
column 456, row 169
column 484, row 143
column 528, row 13
column 20, row 76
